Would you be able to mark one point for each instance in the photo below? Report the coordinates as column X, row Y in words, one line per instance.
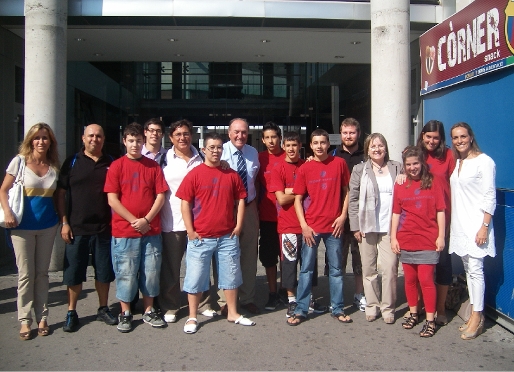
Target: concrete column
column 45, row 77
column 390, row 72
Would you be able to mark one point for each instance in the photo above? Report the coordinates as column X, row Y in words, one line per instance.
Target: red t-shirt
column 213, row 192
column 267, row 200
column 323, row 182
column 443, row 169
column 417, row 229
column 282, row 177
column 137, row 183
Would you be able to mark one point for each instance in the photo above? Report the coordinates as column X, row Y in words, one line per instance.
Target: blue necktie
column 241, row 170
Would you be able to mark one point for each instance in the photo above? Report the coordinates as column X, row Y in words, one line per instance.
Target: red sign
column 477, row 40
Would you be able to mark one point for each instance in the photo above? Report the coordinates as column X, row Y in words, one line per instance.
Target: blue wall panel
column 487, row 104
column 500, row 269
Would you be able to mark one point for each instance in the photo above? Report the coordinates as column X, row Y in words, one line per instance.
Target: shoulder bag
column 16, row 194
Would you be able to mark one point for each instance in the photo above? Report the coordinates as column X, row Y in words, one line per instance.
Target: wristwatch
column 485, row 224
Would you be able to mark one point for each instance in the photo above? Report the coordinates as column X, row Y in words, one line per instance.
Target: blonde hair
column 26, row 147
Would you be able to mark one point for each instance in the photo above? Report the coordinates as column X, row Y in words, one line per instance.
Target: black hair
column 271, row 126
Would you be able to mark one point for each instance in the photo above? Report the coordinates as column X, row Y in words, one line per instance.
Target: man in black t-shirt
column 352, row 152
column 85, row 218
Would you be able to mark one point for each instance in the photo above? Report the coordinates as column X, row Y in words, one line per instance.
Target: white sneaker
column 209, row 313
column 170, row 318
column 359, row 301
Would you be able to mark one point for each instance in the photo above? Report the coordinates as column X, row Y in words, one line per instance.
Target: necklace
column 379, row 167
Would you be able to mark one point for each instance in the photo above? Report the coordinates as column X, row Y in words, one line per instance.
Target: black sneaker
column 316, row 308
column 291, row 307
column 104, row 315
column 124, row 322
column 71, row 324
column 273, row 301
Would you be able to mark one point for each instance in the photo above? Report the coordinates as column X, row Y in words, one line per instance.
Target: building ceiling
column 218, row 44
column 221, row 31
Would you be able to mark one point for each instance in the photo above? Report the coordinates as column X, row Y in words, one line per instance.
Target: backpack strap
column 74, row 160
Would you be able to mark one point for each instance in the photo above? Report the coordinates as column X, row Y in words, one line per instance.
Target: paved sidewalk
column 321, row 343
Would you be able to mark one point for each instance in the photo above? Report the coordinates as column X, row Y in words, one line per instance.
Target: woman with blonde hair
column 33, row 236
column 369, row 210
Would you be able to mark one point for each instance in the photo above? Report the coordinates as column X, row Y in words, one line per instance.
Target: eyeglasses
column 214, row 148
column 377, row 147
column 183, row 134
column 156, row 131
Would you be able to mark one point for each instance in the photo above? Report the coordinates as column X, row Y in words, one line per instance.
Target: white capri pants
column 474, row 268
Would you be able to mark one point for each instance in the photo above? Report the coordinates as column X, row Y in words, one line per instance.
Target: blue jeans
column 198, row 263
column 131, row 256
column 335, row 274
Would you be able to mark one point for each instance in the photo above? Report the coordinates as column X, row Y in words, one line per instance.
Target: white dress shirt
column 252, row 164
column 157, row 157
column 174, row 172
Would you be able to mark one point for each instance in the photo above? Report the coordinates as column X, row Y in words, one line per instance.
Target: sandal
column 295, row 320
column 346, row 318
column 463, row 327
column 428, row 329
column 243, row 321
column 412, row 320
column 191, row 328
column 25, row 336
column 420, row 313
column 45, row 331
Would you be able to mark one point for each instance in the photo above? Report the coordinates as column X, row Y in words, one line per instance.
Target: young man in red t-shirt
column 208, row 195
column 321, row 204
column 288, row 227
column 269, row 248
column 135, row 188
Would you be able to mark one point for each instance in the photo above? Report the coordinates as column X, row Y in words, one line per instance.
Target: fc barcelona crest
column 509, row 25
column 429, row 58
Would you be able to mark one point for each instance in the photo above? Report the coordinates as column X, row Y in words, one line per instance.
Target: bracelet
column 146, row 219
column 64, row 223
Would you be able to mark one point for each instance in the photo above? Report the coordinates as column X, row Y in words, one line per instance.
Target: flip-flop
column 243, row 321
column 45, row 331
column 346, row 318
column 25, row 336
column 191, row 328
column 300, row 319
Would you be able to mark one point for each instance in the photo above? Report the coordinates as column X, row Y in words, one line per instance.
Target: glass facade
column 296, row 96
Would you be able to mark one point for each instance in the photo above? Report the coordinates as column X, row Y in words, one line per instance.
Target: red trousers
column 424, row 273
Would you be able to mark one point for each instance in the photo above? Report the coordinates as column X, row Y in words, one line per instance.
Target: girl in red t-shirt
column 441, row 163
column 417, row 234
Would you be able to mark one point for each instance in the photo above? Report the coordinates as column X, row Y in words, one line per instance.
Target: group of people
column 228, row 206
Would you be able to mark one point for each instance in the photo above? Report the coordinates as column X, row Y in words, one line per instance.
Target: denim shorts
column 198, row 260
column 131, row 256
column 76, row 258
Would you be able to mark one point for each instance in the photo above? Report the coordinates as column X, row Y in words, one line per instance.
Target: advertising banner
column 475, row 41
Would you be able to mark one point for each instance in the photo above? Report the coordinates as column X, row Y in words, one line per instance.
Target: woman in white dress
column 473, row 204
column 369, row 210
